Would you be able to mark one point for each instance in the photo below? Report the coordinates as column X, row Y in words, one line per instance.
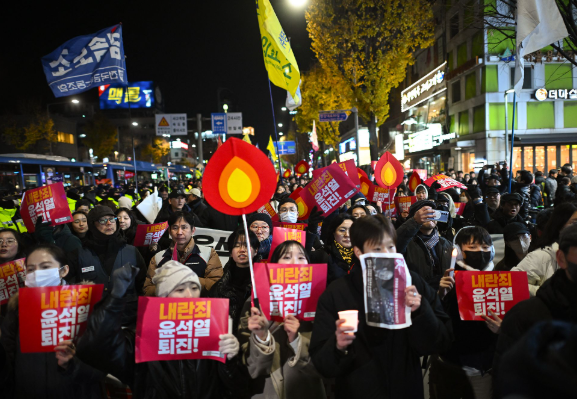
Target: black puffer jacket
column 235, row 284
column 108, row 347
column 499, row 222
column 37, row 375
column 380, row 363
column 417, row 255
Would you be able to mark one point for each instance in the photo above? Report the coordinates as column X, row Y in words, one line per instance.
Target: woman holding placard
column 107, row 346
column 276, row 354
column 367, row 361
column 11, row 246
column 55, row 375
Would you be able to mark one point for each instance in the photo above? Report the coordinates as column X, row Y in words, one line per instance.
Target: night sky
column 189, row 49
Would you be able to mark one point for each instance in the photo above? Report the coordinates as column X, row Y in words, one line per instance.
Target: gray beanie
column 172, row 274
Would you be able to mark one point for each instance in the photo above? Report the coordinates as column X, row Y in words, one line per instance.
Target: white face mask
column 289, row 217
column 43, row 278
column 521, row 246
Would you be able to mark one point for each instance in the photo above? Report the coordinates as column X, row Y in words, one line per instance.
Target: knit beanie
column 261, row 217
column 94, row 215
column 124, row 202
column 172, row 274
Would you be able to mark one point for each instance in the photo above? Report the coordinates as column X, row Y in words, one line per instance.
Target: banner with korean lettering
column 180, row 328
column 49, row 315
column 329, row 190
column 215, row 239
column 12, row 277
column 348, row 167
column 47, row 201
column 445, row 182
column 281, row 234
column 403, row 204
column 147, row 234
column 296, row 226
column 479, row 291
column 289, row 289
column 267, row 209
column 85, row 62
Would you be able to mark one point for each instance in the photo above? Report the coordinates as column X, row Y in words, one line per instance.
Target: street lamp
column 297, row 3
column 283, row 109
column 134, row 123
column 75, row 101
column 280, row 125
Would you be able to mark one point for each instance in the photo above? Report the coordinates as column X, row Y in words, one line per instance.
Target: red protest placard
column 351, row 171
column 329, row 190
column 381, row 194
column 295, row 226
column 289, row 289
column 147, row 234
column 460, row 207
column 499, row 291
column 49, row 315
column 445, row 182
column 47, row 201
column 267, row 209
column 403, row 204
column 180, row 328
column 281, row 234
column 12, row 277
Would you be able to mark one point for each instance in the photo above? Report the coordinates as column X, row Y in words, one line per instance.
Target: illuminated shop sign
column 423, row 89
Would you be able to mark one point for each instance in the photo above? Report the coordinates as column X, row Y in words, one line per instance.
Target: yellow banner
column 270, row 147
column 279, row 59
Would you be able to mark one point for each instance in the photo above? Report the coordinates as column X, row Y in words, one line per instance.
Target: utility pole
column 199, row 119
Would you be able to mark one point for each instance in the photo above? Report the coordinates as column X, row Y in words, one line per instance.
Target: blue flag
column 85, row 62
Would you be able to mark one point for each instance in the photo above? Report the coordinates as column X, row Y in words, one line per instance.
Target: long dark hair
column 130, row 232
column 560, row 216
column 328, row 235
column 21, row 248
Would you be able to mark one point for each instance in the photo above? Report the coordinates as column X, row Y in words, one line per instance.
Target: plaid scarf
column 431, row 242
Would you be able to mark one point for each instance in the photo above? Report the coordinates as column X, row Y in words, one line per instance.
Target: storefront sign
column 429, row 138
column 423, row 89
column 565, row 94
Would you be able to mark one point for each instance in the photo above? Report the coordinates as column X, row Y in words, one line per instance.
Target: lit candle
column 453, row 260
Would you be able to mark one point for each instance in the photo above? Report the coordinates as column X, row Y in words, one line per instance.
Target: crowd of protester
column 530, row 353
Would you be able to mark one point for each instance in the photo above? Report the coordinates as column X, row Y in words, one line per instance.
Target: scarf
column 264, row 247
column 430, row 241
column 346, row 253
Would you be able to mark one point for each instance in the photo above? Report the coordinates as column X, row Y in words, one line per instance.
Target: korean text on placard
column 288, row 287
column 491, row 291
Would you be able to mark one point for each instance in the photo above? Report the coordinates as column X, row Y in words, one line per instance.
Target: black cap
column 177, row 193
column 511, row 197
column 493, row 177
column 513, row 230
column 419, row 204
column 492, row 190
column 261, row 217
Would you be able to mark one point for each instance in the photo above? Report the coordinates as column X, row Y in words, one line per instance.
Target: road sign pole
column 199, row 140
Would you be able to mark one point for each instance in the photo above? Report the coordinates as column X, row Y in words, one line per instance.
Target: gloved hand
column 474, row 192
column 122, row 279
column 314, row 219
column 228, row 345
column 43, row 231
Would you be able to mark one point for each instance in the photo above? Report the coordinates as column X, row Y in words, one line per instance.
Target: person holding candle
column 375, row 362
column 277, row 354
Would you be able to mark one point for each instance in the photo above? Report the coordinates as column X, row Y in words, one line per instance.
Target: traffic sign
column 227, row 123
column 218, row 123
column 285, row 147
column 171, row 124
column 333, row 116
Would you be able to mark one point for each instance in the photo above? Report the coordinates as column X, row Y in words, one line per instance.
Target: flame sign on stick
column 388, row 171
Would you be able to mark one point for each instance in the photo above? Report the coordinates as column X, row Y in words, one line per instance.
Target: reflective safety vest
column 7, row 220
column 71, row 204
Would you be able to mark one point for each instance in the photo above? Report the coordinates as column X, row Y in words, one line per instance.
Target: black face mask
column 478, row 259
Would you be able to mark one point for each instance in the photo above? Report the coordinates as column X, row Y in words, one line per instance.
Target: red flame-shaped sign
column 302, row 167
column 362, row 173
column 287, row 173
column 414, row 181
column 388, row 171
column 239, row 178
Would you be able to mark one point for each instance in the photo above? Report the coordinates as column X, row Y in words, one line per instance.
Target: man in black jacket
column 426, row 252
column 555, row 300
column 196, row 203
column 508, row 212
column 376, row 362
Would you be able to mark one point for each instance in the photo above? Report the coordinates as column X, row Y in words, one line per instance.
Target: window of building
column 551, row 157
column 65, row 138
column 527, row 77
column 454, row 25
column 564, row 155
column 574, row 156
column 456, row 91
column 517, row 159
column 540, row 159
column 528, row 158
column 468, row 161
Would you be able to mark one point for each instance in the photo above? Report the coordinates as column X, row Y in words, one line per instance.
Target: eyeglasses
column 257, row 228
column 8, row 241
column 107, row 220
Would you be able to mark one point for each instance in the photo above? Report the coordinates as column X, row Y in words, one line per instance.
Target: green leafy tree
column 101, row 135
column 368, row 45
